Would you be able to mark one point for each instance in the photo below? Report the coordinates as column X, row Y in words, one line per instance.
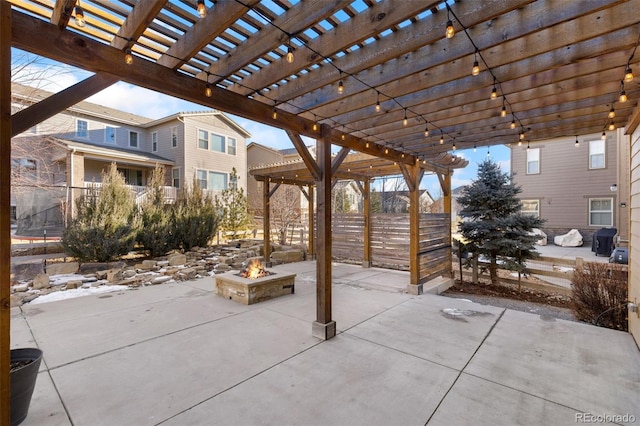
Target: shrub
column 600, row 295
column 105, row 225
column 156, row 233
column 195, row 219
column 234, row 208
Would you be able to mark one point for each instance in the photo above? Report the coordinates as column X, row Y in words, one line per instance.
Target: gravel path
column 516, row 305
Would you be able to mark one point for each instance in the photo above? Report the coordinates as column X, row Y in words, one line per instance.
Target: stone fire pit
column 233, row 286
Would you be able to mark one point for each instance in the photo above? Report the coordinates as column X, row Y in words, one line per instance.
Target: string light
column 340, row 86
column 612, row 112
column 367, row 144
column 315, row 122
column 628, row 75
column 201, row 9
column 289, row 52
column 80, row 21
column 513, row 123
column 377, row 101
column 476, row 67
column 128, row 57
column 577, row 144
column 450, row 31
column 522, row 134
column 386, row 150
column 519, row 143
column 503, row 111
column 623, row 94
column 454, row 145
column 612, row 126
column 528, row 147
column 426, row 130
column 405, row 121
column 474, row 148
column 488, row 152
column 441, row 138
column 274, row 115
column 604, row 136
column 494, row 92
column 208, row 92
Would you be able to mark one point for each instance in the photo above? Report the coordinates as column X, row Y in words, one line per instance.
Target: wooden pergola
column 380, row 78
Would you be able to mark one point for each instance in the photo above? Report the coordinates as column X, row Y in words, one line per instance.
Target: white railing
column 139, row 192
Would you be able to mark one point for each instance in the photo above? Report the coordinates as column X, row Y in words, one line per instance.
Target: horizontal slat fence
column 347, row 233
column 435, row 246
column 390, row 240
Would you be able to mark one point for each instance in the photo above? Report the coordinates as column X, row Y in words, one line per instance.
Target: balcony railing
column 140, row 192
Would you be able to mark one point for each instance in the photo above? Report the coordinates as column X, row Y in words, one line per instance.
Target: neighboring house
column 572, row 185
column 67, row 153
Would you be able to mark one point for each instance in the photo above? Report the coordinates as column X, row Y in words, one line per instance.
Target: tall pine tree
column 493, row 223
column 234, row 207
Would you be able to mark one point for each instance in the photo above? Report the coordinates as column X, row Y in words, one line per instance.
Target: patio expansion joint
column 466, row 365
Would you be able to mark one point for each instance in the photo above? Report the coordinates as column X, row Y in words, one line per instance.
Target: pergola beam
column 48, row 107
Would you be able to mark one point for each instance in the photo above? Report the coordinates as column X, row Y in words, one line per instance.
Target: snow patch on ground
column 62, row 279
column 79, row 292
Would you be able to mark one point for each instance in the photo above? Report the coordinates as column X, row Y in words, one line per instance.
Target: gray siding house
column 55, row 161
column 572, row 185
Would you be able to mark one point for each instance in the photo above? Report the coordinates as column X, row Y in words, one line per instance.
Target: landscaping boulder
column 114, row 275
column 288, row 256
column 62, row 268
column 177, row 259
column 41, row 281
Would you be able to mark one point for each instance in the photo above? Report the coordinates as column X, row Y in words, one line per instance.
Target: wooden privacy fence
column 390, row 237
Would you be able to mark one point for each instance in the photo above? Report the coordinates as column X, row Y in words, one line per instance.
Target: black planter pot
column 23, row 381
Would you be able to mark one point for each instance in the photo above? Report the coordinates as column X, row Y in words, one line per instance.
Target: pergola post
column 366, row 207
column 324, row 327
column 415, row 286
column 5, row 208
column 312, row 222
column 447, row 209
column 266, row 222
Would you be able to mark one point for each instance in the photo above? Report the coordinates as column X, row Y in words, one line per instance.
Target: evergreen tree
column 376, row 201
column 156, row 233
column 195, row 218
column 105, row 225
column 341, row 202
column 492, row 221
column 234, row 207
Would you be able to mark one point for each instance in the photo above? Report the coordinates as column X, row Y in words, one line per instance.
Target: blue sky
column 53, row 76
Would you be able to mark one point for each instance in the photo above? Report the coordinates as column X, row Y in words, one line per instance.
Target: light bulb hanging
column 503, row 111
column 79, row 18
column 315, row 122
column 612, row 126
column 577, row 144
column 628, row 75
column 474, row 148
column 450, row 31
column 426, row 130
column 488, row 152
column 522, row 134
column 340, row 87
column 441, row 139
column 128, row 57
column 377, row 101
column 208, row 92
column 289, row 52
column 201, row 9
column 513, row 123
column 454, row 145
column 274, row 114
column 475, row 70
column 623, row 94
column 612, row 113
column 494, row 92
column 604, row 136
column 405, row 121
column 528, row 147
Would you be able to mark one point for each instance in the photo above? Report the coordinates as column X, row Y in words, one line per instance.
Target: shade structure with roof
column 392, row 79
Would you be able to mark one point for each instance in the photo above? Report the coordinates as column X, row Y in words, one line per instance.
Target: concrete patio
column 177, row 354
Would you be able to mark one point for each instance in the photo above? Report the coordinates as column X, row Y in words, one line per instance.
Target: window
column 133, row 139
column 82, row 129
column 174, row 136
column 154, row 141
column 531, row 208
column 601, row 212
column 25, row 168
column 596, row 154
column 201, row 176
column 231, row 146
column 533, row 161
column 175, row 177
column 217, row 143
column 217, row 181
column 203, row 139
column 110, row 134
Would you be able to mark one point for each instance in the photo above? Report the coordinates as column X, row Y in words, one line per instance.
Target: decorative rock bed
column 197, row 263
